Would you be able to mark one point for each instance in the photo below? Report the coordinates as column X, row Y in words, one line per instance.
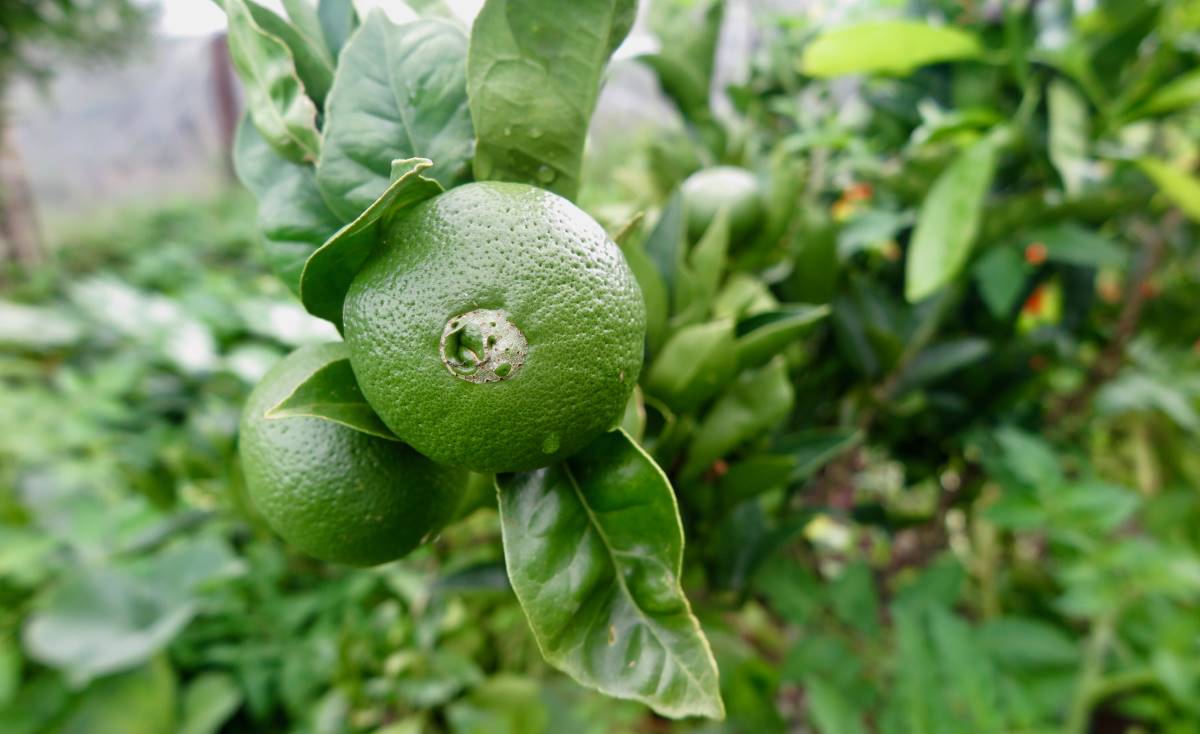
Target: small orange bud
column 1036, row 301
column 1035, row 253
column 858, row 192
column 1109, row 289
column 720, row 468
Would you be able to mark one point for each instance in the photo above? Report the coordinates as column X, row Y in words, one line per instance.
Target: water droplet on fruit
column 551, row 444
column 508, row 131
column 482, row 346
column 535, row 132
column 546, row 174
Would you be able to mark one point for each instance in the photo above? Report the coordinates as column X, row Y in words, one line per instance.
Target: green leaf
column 338, row 20
column 330, row 392
column 1024, row 644
column 633, row 421
column 700, row 273
column 939, row 360
column 895, row 47
column 533, row 76
column 1180, row 93
column 693, row 365
column 605, row 605
column 814, row 448
column 10, row 670
column 141, row 701
column 664, row 245
column 684, row 65
column 208, row 702
column 654, row 290
column 1068, row 143
column 303, row 14
column 314, row 64
column 756, row 402
column 762, row 336
column 949, row 222
column 831, row 713
column 1000, row 276
column 275, row 96
column 99, row 621
column 1070, row 243
column 1177, row 185
column 293, row 219
column 965, row 662
column 330, row 270
column 400, row 93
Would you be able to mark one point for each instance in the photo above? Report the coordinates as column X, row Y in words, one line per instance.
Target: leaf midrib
column 695, row 682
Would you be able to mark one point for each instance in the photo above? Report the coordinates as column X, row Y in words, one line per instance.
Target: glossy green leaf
column 1000, row 276
column 533, row 75
column 762, row 336
column 684, row 64
column 304, row 17
column 693, row 365
column 606, row 606
column 754, row 403
column 949, row 222
column 753, row 476
column 700, row 273
column 813, row 449
column 664, row 244
column 338, row 20
column 330, row 392
column 208, row 702
column 275, row 96
column 743, row 296
column 400, row 93
column 654, row 291
column 887, row 47
column 1072, row 244
column 1180, row 93
column 293, row 219
column 331, row 269
column 1178, row 186
column 314, row 63
column 1068, row 143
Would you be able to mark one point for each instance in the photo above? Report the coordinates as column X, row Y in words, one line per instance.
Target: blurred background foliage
column 971, row 511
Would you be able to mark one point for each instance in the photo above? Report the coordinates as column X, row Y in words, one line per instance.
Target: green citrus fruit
column 337, row 494
column 497, row 328
column 706, row 191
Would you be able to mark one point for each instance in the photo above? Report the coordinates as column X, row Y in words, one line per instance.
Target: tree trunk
column 20, row 237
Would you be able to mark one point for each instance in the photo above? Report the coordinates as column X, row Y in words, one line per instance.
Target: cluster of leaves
column 992, row 208
column 930, row 428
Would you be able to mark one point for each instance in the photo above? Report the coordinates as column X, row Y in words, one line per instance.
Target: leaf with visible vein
column 594, row 547
column 533, row 76
column 330, row 270
column 400, row 92
column 275, row 96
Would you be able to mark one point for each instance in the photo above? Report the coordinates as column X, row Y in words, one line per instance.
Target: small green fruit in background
column 497, row 328
column 337, row 494
column 706, row 191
